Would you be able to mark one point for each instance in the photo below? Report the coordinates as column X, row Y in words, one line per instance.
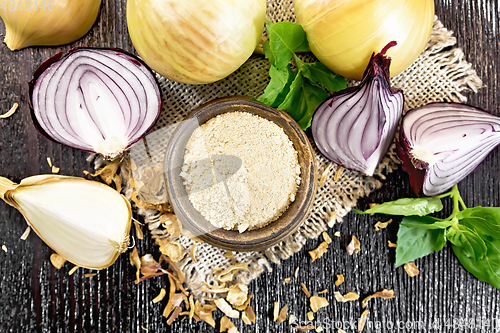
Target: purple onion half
column 95, row 99
column 355, row 127
column 441, row 143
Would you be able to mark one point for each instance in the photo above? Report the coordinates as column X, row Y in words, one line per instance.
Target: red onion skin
column 379, row 64
column 49, row 62
column 416, row 174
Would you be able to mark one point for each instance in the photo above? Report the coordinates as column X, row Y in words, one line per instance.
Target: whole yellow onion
column 52, row 22
column 343, row 34
column 195, row 41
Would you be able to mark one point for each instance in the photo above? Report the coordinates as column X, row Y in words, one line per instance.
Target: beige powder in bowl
column 241, row 171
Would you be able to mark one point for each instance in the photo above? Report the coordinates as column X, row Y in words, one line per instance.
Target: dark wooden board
column 34, row 297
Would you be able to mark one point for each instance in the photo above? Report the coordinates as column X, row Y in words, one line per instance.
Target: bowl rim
column 195, row 223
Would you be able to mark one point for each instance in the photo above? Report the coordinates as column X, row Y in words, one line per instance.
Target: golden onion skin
column 343, row 34
column 195, row 41
column 67, row 21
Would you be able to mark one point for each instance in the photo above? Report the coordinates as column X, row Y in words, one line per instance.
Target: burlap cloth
column 439, row 74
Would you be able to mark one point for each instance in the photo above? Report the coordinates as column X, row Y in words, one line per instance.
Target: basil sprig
column 474, row 233
column 298, row 93
column 407, row 207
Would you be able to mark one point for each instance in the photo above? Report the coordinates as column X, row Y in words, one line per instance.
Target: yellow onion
column 85, row 222
column 195, row 41
column 343, row 34
column 53, row 22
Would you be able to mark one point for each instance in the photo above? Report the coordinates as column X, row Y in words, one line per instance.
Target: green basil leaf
column 322, row 77
column 294, row 94
column 438, row 224
column 286, row 38
column 487, row 268
column 408, row 207
column 268, row 52
column 302, row 100
column 278, row 86
column 468, row 240
column 485, row 220
column 414, row 243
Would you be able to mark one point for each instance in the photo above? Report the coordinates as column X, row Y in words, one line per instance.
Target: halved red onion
column 96, row 100
column 355, row 127
column 441, row 143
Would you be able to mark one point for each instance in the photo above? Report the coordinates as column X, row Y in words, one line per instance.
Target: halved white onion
column 84, row 221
